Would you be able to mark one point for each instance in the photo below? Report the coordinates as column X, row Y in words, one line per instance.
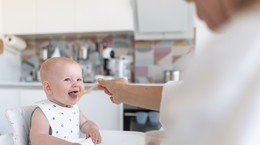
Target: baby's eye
column 67, row 79
column 79, row 80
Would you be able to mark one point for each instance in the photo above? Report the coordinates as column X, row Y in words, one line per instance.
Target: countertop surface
column 38, row 85
column 27, row 85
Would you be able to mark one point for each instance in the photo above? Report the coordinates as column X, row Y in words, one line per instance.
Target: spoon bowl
column 87, row 91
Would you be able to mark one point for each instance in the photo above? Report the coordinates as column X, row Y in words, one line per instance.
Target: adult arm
column 137, row 95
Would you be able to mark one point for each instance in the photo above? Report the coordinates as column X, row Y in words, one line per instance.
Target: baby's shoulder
column 37, row 112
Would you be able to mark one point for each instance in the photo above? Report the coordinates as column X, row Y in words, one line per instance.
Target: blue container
column 141, row 117
column 154, row 117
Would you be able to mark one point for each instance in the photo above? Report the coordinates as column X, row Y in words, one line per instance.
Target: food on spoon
column 88, row 91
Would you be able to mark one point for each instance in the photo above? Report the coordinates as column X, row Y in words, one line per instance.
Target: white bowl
column 155, row 137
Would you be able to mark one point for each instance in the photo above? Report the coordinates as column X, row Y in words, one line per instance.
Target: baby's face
column 66, row 80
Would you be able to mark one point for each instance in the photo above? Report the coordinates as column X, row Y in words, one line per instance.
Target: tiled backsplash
column 122, row 44
column 151, row 58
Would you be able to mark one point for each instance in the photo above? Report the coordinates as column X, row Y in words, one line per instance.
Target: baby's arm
column 89, row 128
column 39, row 132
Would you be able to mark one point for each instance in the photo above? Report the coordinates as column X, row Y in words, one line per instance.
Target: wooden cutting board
column 1, row 46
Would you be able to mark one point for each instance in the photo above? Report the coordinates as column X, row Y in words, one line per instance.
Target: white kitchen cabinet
column 166, row 19
column 38, row 16
column 55, row 16
column 19, row 16
column 70, row 16
column 103, row 15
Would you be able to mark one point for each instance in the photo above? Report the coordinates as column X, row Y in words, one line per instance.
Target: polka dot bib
column 63, row 121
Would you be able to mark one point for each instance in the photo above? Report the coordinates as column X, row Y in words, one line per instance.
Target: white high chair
column 19, row 119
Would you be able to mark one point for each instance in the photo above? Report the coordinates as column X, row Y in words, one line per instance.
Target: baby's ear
column 47, row 88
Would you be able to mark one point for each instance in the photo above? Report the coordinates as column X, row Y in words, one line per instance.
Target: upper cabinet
column 19, row 16
column 148, row 19
column 103, row 15
column 38, row 16
column 70, row 16
column 165, row 19
column 54, row 16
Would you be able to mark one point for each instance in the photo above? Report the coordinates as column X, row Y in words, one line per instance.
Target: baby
column 58, row 119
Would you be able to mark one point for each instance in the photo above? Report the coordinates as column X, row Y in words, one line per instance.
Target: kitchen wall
column 10, row 67
column 152, row 58
column 9, row 62
column 69, row 45
column 1, row 18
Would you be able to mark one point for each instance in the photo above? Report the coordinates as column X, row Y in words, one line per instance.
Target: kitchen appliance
column 108, row 54
column 121, row 67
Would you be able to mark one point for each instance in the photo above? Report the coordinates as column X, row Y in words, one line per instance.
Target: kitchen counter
column 38, row 85
column 28, row 85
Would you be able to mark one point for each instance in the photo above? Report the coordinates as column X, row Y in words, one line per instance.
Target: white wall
column 1, row 17
column 10, row 64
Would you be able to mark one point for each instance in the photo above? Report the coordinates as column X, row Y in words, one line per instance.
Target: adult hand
column 152, row 143
column 112, row 88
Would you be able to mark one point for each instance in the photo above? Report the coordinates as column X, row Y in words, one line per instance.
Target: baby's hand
column 94, row 133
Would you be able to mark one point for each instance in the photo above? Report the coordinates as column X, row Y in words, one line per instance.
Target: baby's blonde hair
column 48, row 66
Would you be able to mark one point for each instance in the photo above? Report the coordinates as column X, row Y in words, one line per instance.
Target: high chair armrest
column 6, row 139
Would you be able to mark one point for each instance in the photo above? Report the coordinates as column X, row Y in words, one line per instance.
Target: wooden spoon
column 88, row 91
column 1, row 46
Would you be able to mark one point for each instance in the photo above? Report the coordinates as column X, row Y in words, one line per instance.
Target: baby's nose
column 75, row 84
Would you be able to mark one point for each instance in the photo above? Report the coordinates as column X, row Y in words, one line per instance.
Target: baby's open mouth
column 73, row 93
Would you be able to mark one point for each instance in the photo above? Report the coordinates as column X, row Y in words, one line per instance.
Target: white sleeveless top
column 63, row 121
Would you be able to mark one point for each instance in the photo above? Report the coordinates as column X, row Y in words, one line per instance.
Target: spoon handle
column 88, row 91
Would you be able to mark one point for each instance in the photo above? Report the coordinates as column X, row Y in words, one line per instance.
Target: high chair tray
column 122, row 138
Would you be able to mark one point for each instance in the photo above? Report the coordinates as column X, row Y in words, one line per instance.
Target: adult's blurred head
column 217, row 12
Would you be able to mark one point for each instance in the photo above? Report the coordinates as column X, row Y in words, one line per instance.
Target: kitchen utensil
column 1, row 46
column 88, row 91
